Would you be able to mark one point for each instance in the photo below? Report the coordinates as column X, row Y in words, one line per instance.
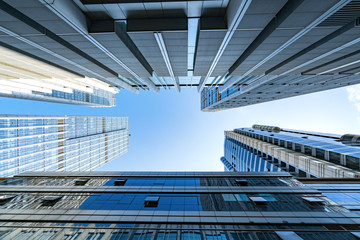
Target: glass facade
column 169, row 206
column 245, row 158
column 343, row 193
column 55, row 143
column 302, row 153
column 98, row 97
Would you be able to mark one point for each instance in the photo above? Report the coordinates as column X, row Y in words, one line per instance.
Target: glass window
column 190, row 236
column 308, row 150
column 241, row 197
column 240, row 236
column 140, row 236
column 326, row 235
column 71, row 236
column 118, row 236
column 268, row 197
column 221, row 236
column 302, row 173
column 320, row 153
column 95, row 236
column 352, row 162
column 334, row 157
column 229, row 197
column 166, row 236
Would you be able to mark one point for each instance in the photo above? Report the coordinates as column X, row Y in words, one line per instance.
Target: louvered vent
column 346, row 14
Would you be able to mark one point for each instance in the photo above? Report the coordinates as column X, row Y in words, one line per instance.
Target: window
column 118, row 236
column 166, row 236
column 287, row 235
column 334, row 157
column 229, row 197
column 95, row 236
column 258, row 200
column 190, row 236
column 71, row 236
column 151, row 201
column 240, row 235
column 81, row 182
column 6, row 198
column 308, row 150
column 241, row 197
column 352, row 162
column 268, row 197
column 313, row 200
column 320, row 153
column 221, row 236
column 241, row 182
column 50, row 200
column 142, row 236
column 120, row 182
column 302, row 173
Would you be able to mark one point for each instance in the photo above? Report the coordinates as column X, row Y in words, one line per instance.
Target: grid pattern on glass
column 172, row 202
column 168, row 232
column 166, row 236
column 319, row 144
column 326, row 235
column 119, row 235
column 245, row 159
column 204, row 181
column 51, row 181
column 60, row 143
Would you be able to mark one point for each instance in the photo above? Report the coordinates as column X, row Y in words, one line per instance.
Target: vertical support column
column 193, row 37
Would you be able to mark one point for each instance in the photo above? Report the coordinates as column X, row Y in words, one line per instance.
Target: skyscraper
column 236, row 52
column 27, row 77
column 169, row 206
column 302, row 153
column 60, row 143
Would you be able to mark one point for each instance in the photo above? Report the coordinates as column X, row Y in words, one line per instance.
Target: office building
column 27, row 77
column 169, row 205
column 301, row 153
column 60, row 143
column 236, row 52
column 345, row 192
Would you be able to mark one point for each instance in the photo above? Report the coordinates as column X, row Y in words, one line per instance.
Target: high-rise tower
column 60, row 143
column 302, row 153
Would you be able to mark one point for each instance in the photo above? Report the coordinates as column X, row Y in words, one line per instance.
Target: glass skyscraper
column 169, row 206
column 60, row 143
column 22, row 76
column 302, row 153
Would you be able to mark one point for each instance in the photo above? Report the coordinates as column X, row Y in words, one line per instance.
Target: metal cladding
column 237, row 52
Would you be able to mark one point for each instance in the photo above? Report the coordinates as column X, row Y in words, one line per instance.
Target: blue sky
column 170, row 133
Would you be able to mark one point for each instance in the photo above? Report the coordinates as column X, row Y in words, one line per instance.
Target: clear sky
column 170, row 133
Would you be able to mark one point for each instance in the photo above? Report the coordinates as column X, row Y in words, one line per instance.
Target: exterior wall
column 40, row 143
column 269, row 88
column 99, row 98
column 311, row 165
column 189, row 205
column 345, row 193
column 243, row 159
